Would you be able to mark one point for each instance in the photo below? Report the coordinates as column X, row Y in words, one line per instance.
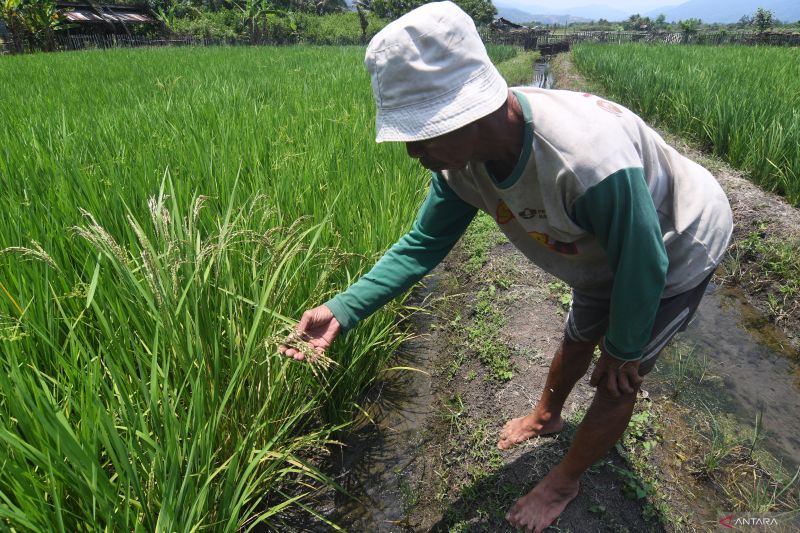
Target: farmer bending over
column 580, row 185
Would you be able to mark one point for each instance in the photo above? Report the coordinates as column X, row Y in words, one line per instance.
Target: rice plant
column 167, row 214
column 741, row 102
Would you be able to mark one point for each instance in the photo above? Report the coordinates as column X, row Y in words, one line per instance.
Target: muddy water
column 757, row 366
column 541, row 76
column 391, row 437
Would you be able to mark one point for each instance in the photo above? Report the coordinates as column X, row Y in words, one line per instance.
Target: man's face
column 447, row 152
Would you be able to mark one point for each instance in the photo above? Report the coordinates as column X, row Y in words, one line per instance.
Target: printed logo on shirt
column 566, row 248
column 608, row 106
column 529, row 213
column 503, row 214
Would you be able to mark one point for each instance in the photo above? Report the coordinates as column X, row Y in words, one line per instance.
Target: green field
column 166, row 214
column 741, row 102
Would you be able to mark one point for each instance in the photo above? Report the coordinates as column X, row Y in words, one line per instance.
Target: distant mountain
column 523, row 17
column 514, row 15
column 575, row 14
column 595, row 12
column 559, row 19
column 545, row 16
column 730, row 11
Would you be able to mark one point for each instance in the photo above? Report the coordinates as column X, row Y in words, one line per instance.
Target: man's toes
column 511, row 518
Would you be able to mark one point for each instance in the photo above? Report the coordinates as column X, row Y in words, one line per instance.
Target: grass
column 739, row 102
column 479, row 239
column 770, row 265
column 518, row 70
column 483, row 336
column 561, row 293
column 500, row 53
column 480, row 334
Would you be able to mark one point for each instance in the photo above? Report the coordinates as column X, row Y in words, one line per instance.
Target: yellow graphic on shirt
column 567, row 248
column 541, row 237
column 503, row 214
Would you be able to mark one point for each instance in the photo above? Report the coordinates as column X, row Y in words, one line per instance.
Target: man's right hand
column 318, row 328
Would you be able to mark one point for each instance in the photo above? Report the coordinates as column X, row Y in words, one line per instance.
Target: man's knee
column 604, row 396
column 572, row 348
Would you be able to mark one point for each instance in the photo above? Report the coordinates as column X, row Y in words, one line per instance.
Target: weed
column 530, row 355
column 633, row 487
column 503, row 282
column 452, row 412
column 562, row 293
column 686, row 368
column 410, row 492
column 771, row 265
column 481, row 336
column 481, row 236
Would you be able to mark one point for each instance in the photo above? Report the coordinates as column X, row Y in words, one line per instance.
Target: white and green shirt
column 597, row 199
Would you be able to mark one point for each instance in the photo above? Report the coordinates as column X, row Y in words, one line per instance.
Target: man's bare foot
column 525, row 427
column 542, row 505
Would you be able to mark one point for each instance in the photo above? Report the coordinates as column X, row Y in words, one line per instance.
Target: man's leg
column 570, row 363
column 602, row 426
column 607, row 417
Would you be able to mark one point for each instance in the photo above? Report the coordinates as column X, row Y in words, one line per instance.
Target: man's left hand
column 618, row 376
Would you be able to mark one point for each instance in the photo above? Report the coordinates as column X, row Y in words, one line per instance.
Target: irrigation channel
column 750, row 359
column 753, row 359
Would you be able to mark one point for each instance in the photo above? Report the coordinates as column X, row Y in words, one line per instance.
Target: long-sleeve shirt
column 597, row 199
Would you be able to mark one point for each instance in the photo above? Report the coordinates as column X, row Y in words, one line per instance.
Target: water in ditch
column 756, row 365
column 375, row 457
column 753, row 360
column 542, row 77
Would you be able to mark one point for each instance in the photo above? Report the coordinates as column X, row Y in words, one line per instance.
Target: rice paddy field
column 741, row 102
column 167, row 215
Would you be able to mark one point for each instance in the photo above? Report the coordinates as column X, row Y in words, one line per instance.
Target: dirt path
column 509, row 307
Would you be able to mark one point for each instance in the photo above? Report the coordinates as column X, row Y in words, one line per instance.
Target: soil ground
column 495, row 324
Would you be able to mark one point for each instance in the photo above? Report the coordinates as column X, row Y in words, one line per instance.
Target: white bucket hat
column 431, row 74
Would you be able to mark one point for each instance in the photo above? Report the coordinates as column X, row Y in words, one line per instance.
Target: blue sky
column 633, row 6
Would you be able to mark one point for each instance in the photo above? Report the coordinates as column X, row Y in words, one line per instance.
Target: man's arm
column 439, row 224
column 619, row 212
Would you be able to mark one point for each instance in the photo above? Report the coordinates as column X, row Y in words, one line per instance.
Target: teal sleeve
column 440, row 222
column 619, row 212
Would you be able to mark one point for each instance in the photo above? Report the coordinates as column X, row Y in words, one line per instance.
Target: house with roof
column 105, row 19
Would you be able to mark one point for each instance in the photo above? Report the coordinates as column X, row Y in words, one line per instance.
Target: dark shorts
column 587, row 320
